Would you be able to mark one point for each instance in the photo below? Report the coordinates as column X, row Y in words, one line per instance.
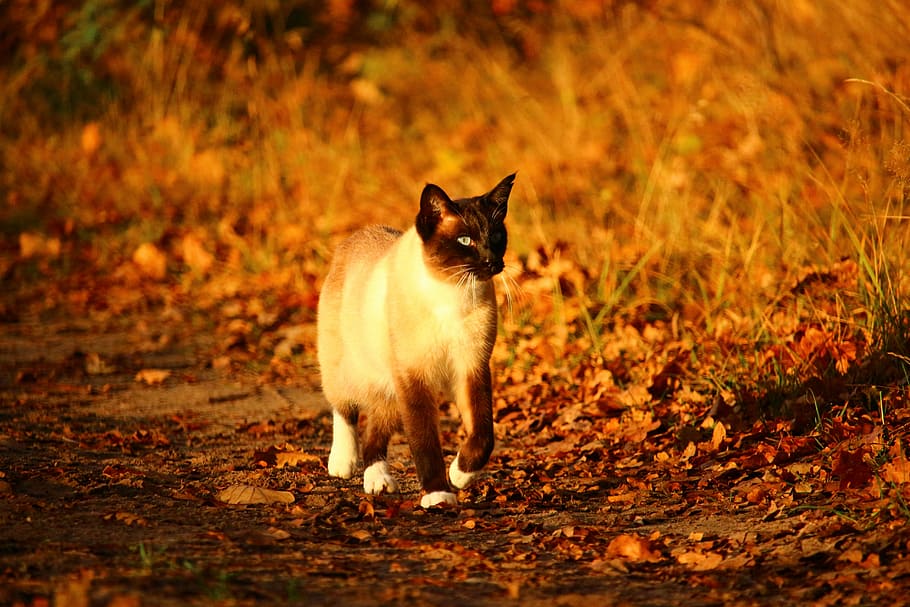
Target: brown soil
column 108, row 497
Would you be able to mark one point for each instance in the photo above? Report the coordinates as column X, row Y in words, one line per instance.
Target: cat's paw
column 438, row 498
column 459, row 479
column 378, row 479
column 341, row 465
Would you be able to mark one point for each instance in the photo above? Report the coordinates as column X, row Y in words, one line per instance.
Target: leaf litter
column 590, row 481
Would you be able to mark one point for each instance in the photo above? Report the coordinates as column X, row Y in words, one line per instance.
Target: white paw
column 438, row 498
column 341, row 465
column 458, row 478
column 377, row 478
column 343, row 456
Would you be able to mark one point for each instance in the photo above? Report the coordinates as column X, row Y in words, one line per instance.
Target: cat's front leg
column 421, row 425
column 475, row 404
column 343, row 456
column 377, row 478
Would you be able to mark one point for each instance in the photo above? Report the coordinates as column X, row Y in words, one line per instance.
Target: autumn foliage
column 707, row 275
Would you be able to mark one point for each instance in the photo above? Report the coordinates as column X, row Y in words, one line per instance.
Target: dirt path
column 108, row 496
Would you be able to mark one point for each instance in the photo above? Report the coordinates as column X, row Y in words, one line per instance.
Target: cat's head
column 464, row 237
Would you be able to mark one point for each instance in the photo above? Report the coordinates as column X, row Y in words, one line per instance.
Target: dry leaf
column 248, row 494
column 718, row 436
column 366, row 510
column 150, row 261
column 95, row 365
column 276, row 533
column 37, row 245
column 632, row 548
column 700, row 561
column 91, row 138
column 194, row 254
column 128, row 518
column 852, row 555
column 152, row 377
column 286, row 455
column 896, row 471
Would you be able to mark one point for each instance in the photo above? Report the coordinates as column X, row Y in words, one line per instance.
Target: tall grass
column 691, row 160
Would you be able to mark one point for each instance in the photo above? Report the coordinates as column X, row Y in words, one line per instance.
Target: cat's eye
column 464, row 241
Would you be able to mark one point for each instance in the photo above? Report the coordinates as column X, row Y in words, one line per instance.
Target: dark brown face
column 465, row 238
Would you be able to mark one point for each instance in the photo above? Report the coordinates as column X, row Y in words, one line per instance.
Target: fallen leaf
column 91, row 138
column 718, row 436
column 194, row 254
column 248, row 494
column 276, row 533
column 128, row 518
column 632, row 548
column 853, row 555
column 152, row 377
column 896, row 471
column 37, row 245
column 700, row 561
column 853, row 469
column 95, row 365
column 285, row 455
column 150, row 261
column 366, row 510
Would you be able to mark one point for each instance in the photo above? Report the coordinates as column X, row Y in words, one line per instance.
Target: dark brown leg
column 377, row 478
column 475, row 402
column 421, row 425
column 478, row 444
column 376, row 439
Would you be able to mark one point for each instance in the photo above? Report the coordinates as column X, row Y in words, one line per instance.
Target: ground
column 112, row 481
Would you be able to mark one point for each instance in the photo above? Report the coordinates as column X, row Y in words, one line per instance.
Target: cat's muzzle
column 489, row 269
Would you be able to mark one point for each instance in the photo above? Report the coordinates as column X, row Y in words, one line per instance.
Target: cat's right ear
column 433, row 204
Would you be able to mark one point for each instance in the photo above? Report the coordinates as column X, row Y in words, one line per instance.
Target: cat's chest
column 438, row 325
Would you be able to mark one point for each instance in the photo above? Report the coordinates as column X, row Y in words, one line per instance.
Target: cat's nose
column 495, row 265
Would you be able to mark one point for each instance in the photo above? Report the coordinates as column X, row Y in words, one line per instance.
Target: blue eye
column 464, row 241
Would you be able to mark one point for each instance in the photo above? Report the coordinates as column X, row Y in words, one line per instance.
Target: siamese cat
column 406, row 320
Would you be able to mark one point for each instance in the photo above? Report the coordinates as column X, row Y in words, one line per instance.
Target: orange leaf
column 700, row 561
column 152, row 377
column 150, row 261
column 632, row 548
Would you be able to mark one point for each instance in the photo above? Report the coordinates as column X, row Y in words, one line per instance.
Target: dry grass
column 686, row 163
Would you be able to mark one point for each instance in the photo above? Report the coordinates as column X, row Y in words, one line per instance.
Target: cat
column 406, row 320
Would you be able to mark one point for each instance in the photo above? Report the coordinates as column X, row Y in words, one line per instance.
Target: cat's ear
column 433, row 205
column 499, row 196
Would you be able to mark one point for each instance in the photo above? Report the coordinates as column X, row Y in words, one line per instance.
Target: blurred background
column 696, row 162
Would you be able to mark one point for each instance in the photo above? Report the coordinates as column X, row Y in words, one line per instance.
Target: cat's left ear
column 433, row 204
column 499, row 196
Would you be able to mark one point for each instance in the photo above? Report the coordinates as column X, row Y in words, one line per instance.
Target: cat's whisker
column 459, row 273
column 512, row 289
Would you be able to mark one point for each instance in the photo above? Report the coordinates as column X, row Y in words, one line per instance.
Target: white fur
column 458, row 478
column 438, row 498
column 377, row 478
column 343, row 456
column 446, row 330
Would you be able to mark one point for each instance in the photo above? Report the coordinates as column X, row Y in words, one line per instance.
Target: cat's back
column 352, row 312
column 358, row 253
